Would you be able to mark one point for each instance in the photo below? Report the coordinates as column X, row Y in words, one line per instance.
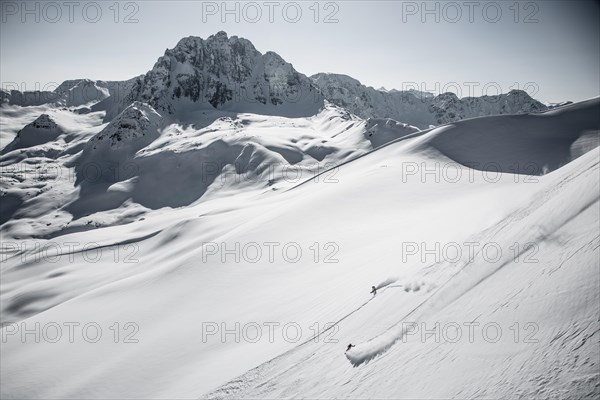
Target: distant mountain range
column 230, row 74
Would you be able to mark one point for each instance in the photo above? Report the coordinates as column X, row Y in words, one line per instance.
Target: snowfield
column 182, row 250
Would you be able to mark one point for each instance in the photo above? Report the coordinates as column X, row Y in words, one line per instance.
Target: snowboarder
column 373, row 290
column 349, row 347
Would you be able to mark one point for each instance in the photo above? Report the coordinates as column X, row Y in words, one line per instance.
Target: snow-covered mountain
column 71, row 93
column 42, row 130
column 226, row 73
column 231, row 75
column 419, row 108
column 225, row 245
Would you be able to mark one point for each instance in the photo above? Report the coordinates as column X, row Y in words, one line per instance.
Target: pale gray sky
column 549, row 48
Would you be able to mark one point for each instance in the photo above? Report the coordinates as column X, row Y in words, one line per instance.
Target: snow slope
column 168, row 272
column 554, row 299
column 108, row 174
column 221, row 219
column 532, row 144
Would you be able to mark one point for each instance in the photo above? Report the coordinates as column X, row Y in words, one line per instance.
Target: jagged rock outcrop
column 106, row 155
column 226, row 73
column 418, row 108
column 42, row 130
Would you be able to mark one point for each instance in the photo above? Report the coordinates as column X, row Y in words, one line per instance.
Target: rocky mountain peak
column 44, row 121
column 225, row 73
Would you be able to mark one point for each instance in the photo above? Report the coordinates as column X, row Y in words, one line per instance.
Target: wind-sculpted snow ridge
column 380, row 131
column 418, row 108
column 522, row 144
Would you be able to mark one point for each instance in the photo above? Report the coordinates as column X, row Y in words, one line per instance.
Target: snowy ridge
column 74, row 93
column 42, row 130
column 419, row 108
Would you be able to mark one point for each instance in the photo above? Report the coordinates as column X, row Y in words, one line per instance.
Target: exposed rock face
column 136, row 122
column 42, row 130
column 106, row 156
column 229, row 74
column 417, row 108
